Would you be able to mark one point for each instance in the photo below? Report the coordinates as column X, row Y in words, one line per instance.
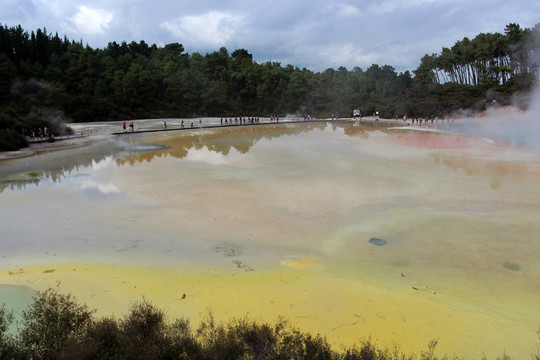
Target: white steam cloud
column 512, row 126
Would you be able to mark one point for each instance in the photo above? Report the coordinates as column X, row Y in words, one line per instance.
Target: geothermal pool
column 397, row 235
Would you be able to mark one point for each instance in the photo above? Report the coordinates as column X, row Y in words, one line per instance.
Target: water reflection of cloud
column 102, row 164
column 207, row 156
column 91, row 187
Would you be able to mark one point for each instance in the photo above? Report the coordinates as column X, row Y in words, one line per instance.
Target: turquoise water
column 15, row 298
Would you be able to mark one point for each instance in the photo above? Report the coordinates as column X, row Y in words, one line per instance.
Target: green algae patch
column 34, row 174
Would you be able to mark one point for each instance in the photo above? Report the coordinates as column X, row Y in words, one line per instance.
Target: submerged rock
column 511, row 266
column 378, row 242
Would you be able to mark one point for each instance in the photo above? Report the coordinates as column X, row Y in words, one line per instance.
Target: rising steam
column 509, row 124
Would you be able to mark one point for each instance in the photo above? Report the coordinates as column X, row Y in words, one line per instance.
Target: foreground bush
column 55, row 326
column 7, row 345
column 50, row 322
column 11, row 140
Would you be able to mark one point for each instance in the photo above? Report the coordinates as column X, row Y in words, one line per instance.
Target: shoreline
column 95, row 130
column 107, row 128
column 39, row 147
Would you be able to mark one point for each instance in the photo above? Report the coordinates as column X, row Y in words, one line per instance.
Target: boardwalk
column 86, row 131
column 36, row 140
column 174, row 126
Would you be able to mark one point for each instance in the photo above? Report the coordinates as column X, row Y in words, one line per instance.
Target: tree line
column 47, row 80
column 488, row 59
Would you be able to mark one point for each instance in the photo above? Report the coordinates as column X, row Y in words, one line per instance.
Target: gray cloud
column 316, row 34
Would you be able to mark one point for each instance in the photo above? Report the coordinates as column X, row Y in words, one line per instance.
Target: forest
column 47, row 81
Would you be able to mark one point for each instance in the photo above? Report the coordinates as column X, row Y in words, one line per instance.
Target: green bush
column 11, row 140
column 7, row 343
column 141, row 334
column 49, row 322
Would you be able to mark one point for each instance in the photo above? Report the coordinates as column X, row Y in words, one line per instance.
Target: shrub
column 143, row 331
column 101, row 340
column 144, row 321
column 217, row 341
column 7, row 343
column 11, row 140
column 260, row 340
column 296, row 344
column 142, row 334
column 182, row 342
column 366, row 352
column 50, row 321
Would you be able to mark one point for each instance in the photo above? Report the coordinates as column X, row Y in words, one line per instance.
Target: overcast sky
column 315, row 34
